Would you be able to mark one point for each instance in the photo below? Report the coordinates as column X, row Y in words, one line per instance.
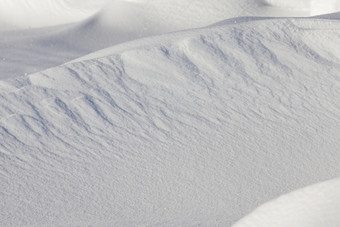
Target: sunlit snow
column 169, row 113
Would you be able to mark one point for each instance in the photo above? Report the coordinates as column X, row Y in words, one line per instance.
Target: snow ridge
column 197, row 128
column 119, row 21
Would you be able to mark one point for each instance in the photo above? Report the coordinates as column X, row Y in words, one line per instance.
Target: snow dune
column 190, row 128
column 36, row 13
column 317, row 205
column 32, row 50
column 313, row 7
column 324, row 7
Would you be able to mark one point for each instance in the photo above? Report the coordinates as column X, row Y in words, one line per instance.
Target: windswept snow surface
column 32, row 50
column 189, row 128
column 317, row 205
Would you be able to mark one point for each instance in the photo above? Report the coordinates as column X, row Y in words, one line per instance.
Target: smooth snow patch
column 317, row 205
column 319, row 7
column 42, row 13
column 36, row 13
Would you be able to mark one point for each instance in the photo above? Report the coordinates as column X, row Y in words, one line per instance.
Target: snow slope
column 32, row 50
column 27, row 51
column 36, row 13
column 317, row 205
column 189, row 128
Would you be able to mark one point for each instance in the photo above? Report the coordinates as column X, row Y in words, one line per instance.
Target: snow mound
column 291, row 4
column 314, row 7
column 28, row 51
column 183, row 13
column 37, row 13
column 319, row 7
column 187, row 14
column 192, row 128
column 317, row 205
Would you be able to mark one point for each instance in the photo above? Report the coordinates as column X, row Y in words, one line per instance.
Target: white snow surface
column 26, row 51
column 192, row 128
column 42, row 13
column 37, row 13
column 317, row 205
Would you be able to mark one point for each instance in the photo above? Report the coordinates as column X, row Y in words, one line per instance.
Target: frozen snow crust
column 189, row 128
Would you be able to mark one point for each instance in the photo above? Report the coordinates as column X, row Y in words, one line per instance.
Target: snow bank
column 319, row 7
column 185, row 13
column 37, row 13
column 317, row 205
column 24, row 52
column 28, row 51
column 190, row 128
column 314, row 7
column 291, row 4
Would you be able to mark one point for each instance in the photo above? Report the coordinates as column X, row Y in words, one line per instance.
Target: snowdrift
column 317, row 205
column 28, row 51
column 190, row 128
column 37, row 13
column 190, row 13
column 314, row 7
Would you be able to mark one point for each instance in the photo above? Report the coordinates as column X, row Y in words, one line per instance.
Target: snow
column 318, row 7
column 37, row 13
column 317, row 205
column 197, row 127
column 118, row 22
column 169, row 113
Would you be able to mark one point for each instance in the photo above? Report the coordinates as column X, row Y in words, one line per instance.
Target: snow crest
column 197, row 127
